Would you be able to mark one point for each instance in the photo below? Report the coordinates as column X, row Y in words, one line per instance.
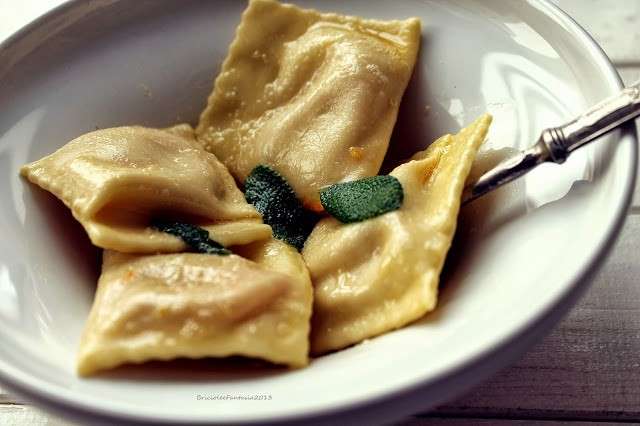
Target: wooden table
column 587, row 370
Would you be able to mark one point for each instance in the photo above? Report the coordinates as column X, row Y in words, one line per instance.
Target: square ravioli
column 378, row 275
column 161, row 307
column 313, row 95
column 115, row 181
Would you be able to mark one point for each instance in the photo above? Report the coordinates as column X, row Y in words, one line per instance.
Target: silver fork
column 557, row 143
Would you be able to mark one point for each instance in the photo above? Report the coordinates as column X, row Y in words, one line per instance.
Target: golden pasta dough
column 313, row 95
column 116, row 180
column 380, row 274
column 161, row 307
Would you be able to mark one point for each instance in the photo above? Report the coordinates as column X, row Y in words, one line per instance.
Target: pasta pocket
column 313, row 95
column 380, row 274
column 161, row 307
column 115, row 181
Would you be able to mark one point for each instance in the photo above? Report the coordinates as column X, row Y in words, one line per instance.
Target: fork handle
column 595, row 122
column 556, row 143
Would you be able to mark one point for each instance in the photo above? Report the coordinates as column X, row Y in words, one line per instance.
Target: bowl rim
column 72, row 405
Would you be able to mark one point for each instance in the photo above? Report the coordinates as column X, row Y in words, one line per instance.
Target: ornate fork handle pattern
column 557, row 143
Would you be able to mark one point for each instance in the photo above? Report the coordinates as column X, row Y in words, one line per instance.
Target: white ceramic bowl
column 522, row 256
